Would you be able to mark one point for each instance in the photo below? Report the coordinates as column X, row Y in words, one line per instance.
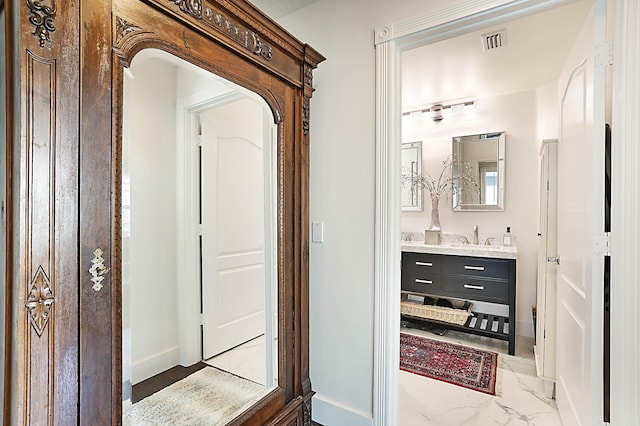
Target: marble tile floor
column 246, row 360
column 520, row 399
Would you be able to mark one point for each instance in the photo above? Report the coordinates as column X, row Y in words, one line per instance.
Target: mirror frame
column 191, row 36
column 500, row 138
column 419, row 206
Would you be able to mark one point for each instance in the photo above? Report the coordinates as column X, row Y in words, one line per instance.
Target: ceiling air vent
column 494, row 40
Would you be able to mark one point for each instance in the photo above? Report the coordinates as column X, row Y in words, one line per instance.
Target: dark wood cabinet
column 64, row 80
column 469, row 278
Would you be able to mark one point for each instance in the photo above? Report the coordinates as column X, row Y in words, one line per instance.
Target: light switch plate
column 317, row 232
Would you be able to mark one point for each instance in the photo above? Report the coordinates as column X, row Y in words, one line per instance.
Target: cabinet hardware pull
column 418, row 280
column 474, row 268
column 474, row 287
column 424, row 264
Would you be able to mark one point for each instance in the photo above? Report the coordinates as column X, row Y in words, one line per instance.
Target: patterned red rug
column 459, row 365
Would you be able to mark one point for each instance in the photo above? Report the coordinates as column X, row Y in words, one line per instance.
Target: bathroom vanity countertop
column 458, row 249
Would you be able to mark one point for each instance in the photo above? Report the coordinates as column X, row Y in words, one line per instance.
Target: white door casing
column 390, row 41
column 580, row 273
column 232, row 213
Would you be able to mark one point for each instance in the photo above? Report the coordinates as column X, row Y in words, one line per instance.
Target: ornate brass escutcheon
column 97, row 270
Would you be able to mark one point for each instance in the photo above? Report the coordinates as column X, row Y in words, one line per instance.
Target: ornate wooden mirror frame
column 65, row 85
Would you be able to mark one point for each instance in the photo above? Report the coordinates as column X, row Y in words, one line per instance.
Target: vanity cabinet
column 469, row 278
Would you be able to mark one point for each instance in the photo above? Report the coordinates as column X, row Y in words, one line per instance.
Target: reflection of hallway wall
column 151, row 247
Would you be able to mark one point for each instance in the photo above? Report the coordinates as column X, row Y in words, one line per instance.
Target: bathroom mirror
column 411, row 194
column 481, row 156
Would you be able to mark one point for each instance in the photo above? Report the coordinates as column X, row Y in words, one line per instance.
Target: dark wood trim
column 161, row 380
column 9, row 374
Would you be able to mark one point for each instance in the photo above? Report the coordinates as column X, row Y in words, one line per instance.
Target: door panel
column 232, row 199
column 574, row 244
column 580, row 206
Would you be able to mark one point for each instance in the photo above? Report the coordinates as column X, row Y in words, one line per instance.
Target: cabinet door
column 42, row 160
column 421, row 272
column 99, row 223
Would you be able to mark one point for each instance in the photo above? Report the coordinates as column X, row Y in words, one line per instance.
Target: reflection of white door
column 580, row 207
column 232, row 186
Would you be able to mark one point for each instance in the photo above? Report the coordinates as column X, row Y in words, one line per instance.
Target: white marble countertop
column 459, row 249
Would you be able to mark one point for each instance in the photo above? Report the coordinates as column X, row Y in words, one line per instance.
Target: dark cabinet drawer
column 421, row 272
column 485, row 290
column 477, row 267
column 425, row 285
column 421, row 263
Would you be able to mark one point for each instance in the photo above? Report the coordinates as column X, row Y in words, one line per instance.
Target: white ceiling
column 458, row 69
column 279, row 8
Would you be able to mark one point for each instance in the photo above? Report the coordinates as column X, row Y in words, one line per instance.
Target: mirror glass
column 482, row 157
column 411, row 194
column 199, row 245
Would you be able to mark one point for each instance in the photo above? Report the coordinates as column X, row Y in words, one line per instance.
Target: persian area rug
column 459, row 365
column 207, row 397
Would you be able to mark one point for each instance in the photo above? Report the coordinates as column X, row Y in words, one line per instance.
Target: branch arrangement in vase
column 446, row 183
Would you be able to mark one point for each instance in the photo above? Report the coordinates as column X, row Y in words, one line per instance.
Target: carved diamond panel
column 39, row 301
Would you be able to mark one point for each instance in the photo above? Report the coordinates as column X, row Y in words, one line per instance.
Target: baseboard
column 150, row 366
column 329, row 412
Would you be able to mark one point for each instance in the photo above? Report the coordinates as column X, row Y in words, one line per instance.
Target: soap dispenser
column 506, row 239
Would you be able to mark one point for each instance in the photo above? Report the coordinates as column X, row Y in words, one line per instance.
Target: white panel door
column 545, row 348
column 580, row 207
column 232, row 216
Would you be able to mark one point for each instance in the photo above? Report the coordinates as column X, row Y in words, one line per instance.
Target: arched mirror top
column 237, row 27
column 273, row 100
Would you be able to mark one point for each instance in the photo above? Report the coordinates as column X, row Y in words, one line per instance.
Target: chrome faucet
column 475, row 235
column 463, row 239
column 487, row 242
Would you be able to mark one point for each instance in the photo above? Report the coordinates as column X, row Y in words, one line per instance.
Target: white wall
column 342, row 195
column 547, row 111
column 151, row 250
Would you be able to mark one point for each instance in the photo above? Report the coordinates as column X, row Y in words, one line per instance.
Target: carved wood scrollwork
column 245, row 37
column 305, row 115
column 124, row 28
column 307, row 413
column 43, row 19
column 192, row 7
column 39, row 301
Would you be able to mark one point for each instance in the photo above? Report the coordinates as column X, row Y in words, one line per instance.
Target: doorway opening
column 391, row 42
